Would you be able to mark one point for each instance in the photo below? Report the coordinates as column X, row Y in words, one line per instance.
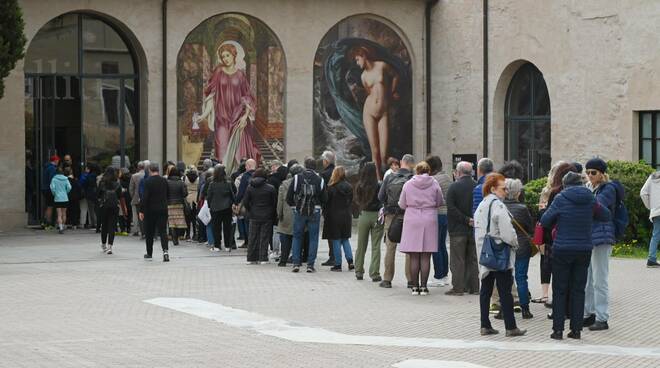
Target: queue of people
column 281, row 212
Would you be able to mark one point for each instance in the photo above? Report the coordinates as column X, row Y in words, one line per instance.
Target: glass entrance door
column 53, row 127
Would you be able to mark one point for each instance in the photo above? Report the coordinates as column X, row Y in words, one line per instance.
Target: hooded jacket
column 602, row 232
column 573, row 210
column 420, row 198
column 260, row 200
column 337, row 212
column 650, row 194
column 313, row 178
column 191, row 184
column 60, row 187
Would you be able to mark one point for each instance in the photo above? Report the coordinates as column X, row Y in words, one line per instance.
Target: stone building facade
column 556, row 80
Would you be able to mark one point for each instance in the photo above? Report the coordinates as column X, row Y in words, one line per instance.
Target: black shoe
column 589, row 321
column 351, row 267
column 166, row 257
column 599, row 326
column 515, row 332
column 557, row 335
column 175, row 241
column 652, row 264
column 147, row 257
column 359, row 276
column 311, row 269
column 377, row 279
column 335, row 268
column 329, row 262
column 488, row 331
column 453, row 292
column 499, row 315
column 574, row 335
column 526, row 314
column 548, row 305
column 296, row 268
column 385, row 284
column 281, row 264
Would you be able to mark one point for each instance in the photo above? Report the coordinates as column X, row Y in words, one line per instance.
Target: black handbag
column 395, row 230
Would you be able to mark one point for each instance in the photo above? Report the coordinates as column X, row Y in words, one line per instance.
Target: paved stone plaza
column 65, row 304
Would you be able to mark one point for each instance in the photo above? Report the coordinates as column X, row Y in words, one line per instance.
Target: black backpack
column 394, row 188
column 109, row 198
column 305, row 195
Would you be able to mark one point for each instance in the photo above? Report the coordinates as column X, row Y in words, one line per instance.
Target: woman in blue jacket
column 60, row 187
column 596, row 306
column 572, row 212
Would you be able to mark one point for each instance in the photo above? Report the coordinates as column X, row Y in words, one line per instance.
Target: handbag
column 494, row 256
column 538, row 234
column 205, row 213
column 395, row 230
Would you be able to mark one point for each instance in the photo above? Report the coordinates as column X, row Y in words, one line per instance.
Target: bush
column 12, row 40
column 632, row 175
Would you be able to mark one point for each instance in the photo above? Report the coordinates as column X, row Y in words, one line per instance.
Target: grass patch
column 630, row 250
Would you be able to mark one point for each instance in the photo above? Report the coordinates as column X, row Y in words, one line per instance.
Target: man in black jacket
column 328, row 158
column 153, row 211
column 260, row 201
column 460, row 225
column 307, row 212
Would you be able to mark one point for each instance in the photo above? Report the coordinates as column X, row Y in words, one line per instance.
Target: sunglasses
column 592, row 172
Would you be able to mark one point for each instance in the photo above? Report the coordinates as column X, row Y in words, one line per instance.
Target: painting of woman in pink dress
column 229, row 107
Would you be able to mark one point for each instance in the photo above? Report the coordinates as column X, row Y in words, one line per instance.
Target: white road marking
column 294, row 332
column 419, row 363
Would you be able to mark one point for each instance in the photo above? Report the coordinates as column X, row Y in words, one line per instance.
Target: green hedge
column 632, row 175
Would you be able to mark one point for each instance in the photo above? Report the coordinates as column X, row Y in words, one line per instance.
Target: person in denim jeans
column 311, row 221
column 650, row 195
column 523, row 219
column 596, row 307
column 441, row 257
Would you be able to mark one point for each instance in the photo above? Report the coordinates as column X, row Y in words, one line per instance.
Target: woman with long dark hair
column 220, row 195
column 553, row 187
column 176, row 195
column 366, row 197
column 338, row 217
column 109, row 197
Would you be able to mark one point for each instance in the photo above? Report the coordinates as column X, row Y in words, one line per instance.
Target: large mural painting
column 230, row 92
column 362, row 94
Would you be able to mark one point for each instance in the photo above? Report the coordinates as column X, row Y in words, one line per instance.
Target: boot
column 515, row 332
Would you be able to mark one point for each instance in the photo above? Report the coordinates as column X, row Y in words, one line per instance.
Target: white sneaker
column 264, row 262
column 103, row 248
column 436, row 283
column 215, row 249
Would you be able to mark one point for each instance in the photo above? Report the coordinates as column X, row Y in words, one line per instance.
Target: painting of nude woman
column 362, row 94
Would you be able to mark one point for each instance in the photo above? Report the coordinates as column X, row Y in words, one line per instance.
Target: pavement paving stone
column 65, row 304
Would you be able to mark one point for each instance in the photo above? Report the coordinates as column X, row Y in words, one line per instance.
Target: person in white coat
column 650, row 194
column 492, row 211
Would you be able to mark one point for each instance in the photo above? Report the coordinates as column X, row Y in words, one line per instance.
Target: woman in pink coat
column 420, row 198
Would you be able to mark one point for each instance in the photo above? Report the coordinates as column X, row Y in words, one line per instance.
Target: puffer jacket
column 176, row 190
column 602, row 232
column 650, row 194
column 260, row 200
column 60, row 187
column 573, row 210
column 521, row 214
column 220, row 195
column 284, row 211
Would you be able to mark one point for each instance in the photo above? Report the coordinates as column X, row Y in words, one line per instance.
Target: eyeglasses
column 592, row 172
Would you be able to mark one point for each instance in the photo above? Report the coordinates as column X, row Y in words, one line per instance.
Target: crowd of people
column 278, row 211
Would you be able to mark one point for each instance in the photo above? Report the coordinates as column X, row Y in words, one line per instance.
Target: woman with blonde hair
column 338, row 217
column 420, row 198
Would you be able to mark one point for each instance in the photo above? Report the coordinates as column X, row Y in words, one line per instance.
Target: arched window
column 527, row 117
column 81, row 98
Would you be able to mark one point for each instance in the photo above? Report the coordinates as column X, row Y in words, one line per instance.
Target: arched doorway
column 363, row 99
column 527, row 119
column 81, row 100
column 231, row 68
